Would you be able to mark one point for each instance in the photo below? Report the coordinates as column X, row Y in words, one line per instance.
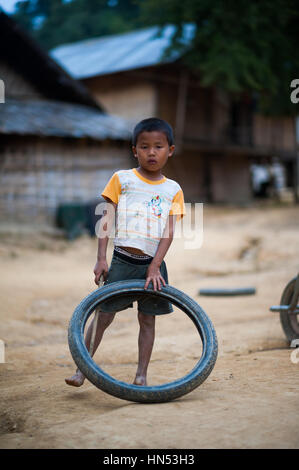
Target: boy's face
column 152, row 150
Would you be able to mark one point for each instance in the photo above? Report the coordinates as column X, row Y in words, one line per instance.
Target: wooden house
column 217, row 139
column 57, row 144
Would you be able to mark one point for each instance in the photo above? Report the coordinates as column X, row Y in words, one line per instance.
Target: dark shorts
column 122, row 268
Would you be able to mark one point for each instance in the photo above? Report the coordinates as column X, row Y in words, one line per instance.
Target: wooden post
column 181, row 109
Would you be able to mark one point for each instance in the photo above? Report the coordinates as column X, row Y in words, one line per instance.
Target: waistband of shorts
column 135, row 259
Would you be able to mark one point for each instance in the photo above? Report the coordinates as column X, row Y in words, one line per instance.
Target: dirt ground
column 251, row 398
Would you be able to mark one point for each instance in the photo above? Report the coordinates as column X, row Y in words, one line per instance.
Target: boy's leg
column 145, row 346
column 105, row 319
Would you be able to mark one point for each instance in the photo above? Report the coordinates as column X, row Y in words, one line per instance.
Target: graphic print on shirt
column 155, row 204
column 125, row 188
column 142, row 208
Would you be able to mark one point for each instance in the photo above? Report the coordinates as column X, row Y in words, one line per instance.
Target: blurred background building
column 217, row 139
column 66, row 122
column 57, row 144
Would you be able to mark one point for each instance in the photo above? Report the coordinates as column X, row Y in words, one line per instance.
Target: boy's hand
column 154, row 275
column 101, row 268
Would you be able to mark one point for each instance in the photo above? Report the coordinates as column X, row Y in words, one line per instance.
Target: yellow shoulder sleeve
column 112, row 189
column 178, row 205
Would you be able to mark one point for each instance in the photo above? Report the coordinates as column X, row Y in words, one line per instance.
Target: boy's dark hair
column 151, row 125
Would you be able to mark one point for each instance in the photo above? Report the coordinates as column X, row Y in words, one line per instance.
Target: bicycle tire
column 289, row 322
column 131, row 392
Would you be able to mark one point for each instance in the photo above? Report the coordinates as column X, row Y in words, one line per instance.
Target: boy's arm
column 101, row 266
column 153, row 272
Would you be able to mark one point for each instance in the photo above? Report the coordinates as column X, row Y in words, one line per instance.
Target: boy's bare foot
column 76, row 380
column 140, row 380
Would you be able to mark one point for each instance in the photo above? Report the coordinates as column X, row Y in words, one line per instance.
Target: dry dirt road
column 251, row 399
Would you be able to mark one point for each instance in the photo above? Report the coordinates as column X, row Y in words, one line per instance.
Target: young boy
column 147, row 204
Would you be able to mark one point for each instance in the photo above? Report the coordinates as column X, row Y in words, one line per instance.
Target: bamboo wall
column 37, row 174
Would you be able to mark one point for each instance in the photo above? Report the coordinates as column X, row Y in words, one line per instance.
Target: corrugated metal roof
column 110, row 54
column 53, row 118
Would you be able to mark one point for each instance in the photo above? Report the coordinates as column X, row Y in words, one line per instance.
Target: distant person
column 261, row 180
column 147, row 203
column 278, row 176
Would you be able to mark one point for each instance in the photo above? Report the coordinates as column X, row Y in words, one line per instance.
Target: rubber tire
column 228, row 292
column 285, row 319
column 130, row 392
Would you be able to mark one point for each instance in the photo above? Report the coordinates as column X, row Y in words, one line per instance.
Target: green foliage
column 56, row 22
column 239, row 46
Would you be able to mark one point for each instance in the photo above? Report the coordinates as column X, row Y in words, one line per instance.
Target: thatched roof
column 53, row 118
column 23, row 53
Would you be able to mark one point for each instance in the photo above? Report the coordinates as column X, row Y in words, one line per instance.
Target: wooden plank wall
column 277, row 133
column 230, row 178
column 124, row 96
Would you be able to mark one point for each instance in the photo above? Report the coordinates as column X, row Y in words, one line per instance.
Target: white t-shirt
column 143, row 207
